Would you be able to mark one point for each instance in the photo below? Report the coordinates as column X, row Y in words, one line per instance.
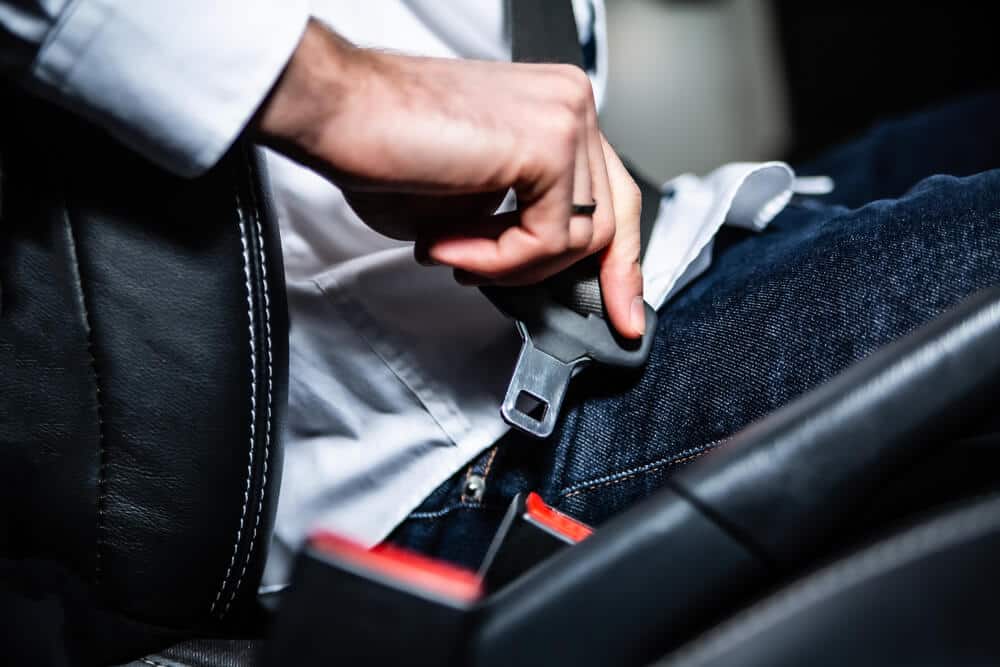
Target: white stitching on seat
column 267, row 422
column 102, row 456
column 253, row 403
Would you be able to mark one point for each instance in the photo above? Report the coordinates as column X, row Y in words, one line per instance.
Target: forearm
column 315, row 84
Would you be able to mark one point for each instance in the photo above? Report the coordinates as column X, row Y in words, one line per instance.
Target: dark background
column 849, row 64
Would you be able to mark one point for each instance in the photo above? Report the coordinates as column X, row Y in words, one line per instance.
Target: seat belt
column 562, row 321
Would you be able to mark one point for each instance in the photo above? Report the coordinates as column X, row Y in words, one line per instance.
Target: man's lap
column 778, row 313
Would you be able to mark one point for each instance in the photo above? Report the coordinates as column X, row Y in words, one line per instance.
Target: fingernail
column 638, row 315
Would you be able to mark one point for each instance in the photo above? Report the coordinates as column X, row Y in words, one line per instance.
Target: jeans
column 912, row 227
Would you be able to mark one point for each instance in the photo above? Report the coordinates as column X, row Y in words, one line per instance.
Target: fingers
column 581, row 227
column 621, row 275
column 603, row 218
column 544, row 238
column 470, row 247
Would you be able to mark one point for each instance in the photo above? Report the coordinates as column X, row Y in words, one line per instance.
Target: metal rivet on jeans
column 475, row 487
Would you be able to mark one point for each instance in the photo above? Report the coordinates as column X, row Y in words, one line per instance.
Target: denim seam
column 484, row 473
column 621, row 476
column 489, row 462
column 446, row 510
column 468, row 476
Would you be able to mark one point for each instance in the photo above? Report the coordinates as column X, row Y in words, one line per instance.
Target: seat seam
column 629, row 473
column 102, row 456
column 253, row 401
column 255, row 211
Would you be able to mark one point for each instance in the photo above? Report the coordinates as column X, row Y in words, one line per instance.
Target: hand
column 425, row 148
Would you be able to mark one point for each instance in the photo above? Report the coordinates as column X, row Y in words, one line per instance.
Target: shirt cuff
column 176, row 80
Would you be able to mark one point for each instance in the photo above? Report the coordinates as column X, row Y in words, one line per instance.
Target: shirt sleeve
column 176, row 80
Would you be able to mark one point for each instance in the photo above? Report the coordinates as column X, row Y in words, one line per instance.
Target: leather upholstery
column 779, row 494
column 143, row 371
column 924, row 597
column 788, row 484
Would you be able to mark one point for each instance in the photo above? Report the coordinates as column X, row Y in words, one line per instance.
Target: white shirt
column 396, row 372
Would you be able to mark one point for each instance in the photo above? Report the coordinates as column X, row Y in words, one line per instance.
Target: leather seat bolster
column 638, row 575
column 143, row 362
column 925, row 596
column 789, row 482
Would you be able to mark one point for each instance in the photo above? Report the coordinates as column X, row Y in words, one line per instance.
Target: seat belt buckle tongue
column 561, row 320
column 530, row 532
column 559, row 340
column 355, row 606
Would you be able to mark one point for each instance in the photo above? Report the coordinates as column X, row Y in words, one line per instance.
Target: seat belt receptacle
column 355, row 606
column 530, row 532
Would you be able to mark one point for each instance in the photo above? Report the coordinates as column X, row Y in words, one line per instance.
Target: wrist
column 309, row 94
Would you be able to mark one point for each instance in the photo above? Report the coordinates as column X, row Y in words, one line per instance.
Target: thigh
column 959, row 139
column 780, row 313
column 777, row 314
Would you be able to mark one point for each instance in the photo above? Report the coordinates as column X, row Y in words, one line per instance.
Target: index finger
column 621, row 274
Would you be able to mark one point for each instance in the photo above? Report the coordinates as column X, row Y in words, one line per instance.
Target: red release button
column 417, row 570
column 555, row 520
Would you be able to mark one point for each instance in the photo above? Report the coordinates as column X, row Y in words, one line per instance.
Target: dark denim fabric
column 912, row 228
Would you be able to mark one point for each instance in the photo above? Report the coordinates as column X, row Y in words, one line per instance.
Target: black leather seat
column 926, row 596
column 143, row 363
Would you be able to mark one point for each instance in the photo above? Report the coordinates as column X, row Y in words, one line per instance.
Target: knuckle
column 581, row 234
column 583, row 89
column 579, row 99
column 604, row 231
column 555, row 242
column 577, row 76
column 577, row 102
column 566, row 127
column 533, row 161
column 572, row 88
column 548, row 158
column 555, row 150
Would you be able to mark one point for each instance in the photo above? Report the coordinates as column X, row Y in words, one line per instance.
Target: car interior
column 859, row 524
